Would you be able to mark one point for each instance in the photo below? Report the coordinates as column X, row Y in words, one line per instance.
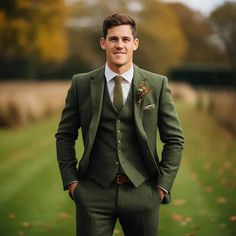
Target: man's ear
column 103, row 43
column 136, row 44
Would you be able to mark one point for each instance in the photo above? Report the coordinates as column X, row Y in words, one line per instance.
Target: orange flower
column 143, row 90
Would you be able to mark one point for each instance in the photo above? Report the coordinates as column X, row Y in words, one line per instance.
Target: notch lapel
column 96, row 91
column 138, row 117
column 138, row 110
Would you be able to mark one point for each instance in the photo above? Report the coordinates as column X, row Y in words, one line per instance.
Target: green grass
column 206, row 181
column 32, row 201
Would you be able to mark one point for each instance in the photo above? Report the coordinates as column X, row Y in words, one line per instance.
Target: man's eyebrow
column 126, row 37
column 112, row 37
column 116, row 37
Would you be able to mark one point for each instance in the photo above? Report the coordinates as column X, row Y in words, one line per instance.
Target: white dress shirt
column 126, row 84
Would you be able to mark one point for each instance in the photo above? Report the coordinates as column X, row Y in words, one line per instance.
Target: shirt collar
column 128, row 75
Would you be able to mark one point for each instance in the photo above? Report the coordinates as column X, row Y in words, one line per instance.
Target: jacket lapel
column 138, row 110
column 96, row 91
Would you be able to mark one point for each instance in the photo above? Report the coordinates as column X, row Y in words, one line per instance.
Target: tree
column 163, row 44
column 199, row 33
column 158, row 30
column 224, row 19
column 34, row 30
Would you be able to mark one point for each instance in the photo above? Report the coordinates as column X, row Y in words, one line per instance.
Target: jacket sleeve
column 171, row 135
column 66, row 136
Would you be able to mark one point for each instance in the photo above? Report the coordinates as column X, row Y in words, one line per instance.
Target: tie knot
column 118, row 79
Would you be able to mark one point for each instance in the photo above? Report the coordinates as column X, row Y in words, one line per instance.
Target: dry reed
column 183, row 92
column 24, row 102
column 222, row 105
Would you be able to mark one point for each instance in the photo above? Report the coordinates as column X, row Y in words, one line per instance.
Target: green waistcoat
column 116, row 149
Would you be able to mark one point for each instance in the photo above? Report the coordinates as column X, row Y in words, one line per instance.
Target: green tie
column 118, row 97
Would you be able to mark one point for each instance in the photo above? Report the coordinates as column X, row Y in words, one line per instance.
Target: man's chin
column 119, row 63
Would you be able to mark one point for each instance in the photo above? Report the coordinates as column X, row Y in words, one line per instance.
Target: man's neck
column 120, row 69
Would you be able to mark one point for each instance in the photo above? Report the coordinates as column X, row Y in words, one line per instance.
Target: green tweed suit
column 153, row 113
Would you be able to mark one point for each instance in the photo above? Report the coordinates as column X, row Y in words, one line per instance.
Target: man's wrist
column 72, row 187
column 162, row 192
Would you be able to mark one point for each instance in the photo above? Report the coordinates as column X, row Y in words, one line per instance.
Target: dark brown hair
column 119, row 19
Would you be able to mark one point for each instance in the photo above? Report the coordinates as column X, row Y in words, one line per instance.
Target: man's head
column 119, row 19
column 119, row 41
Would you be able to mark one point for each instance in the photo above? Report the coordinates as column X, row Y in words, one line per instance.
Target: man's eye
column 113, row 40
column 126, row 40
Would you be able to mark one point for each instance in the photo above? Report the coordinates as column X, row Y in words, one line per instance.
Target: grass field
column 32, row 201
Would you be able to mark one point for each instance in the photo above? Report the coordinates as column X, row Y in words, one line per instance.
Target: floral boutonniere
column 143, row 90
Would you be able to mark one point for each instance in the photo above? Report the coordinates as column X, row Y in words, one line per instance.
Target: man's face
column 119, row 45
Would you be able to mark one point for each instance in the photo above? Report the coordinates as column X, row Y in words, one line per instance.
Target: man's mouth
column 119, row 52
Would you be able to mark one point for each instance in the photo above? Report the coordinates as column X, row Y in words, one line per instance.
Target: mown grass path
column 32, row 201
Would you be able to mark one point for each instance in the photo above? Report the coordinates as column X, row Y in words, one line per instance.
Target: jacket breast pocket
column 150, row 112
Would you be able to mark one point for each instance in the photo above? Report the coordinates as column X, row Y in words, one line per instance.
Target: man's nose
column 119, row 43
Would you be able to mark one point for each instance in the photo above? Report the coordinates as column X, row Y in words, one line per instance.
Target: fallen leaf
column 208, row 189
column 207, row 166
column 179, row 202
column 233, row 218
column 188, row 219
column 226, row 165
column 189, row 234
column 11, row 216
column 47, row 226
column 177, row 217
column 221, row 200
column 213, row 219
column 222, row 225
column 223, row 181
column 194, row 176
column 64, row 215
column 183, row 223
column 196, row 227
column 20, row 233
column 26, row 224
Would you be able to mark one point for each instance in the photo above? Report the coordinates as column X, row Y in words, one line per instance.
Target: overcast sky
column 205, row 6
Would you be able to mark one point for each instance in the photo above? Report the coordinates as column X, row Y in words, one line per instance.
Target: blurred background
column 44, row 43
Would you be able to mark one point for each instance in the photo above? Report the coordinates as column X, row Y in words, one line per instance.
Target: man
column 119, row 108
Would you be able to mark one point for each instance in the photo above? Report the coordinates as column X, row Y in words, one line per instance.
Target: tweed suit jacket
column 154, row 116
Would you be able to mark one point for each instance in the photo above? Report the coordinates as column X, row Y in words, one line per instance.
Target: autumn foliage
column 33, row 28
column 56, row 38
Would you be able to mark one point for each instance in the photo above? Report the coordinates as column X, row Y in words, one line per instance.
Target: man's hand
column 162, row 193
column 72, row 187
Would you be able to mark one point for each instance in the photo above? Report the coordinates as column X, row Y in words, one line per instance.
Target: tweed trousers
column 98, row 208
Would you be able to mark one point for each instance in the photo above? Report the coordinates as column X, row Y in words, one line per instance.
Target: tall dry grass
column 222, row 105
column 24, row 102
column 184, row 92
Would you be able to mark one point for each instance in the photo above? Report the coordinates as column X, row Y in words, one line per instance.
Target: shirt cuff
column 163, row 189
column 74, row 181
